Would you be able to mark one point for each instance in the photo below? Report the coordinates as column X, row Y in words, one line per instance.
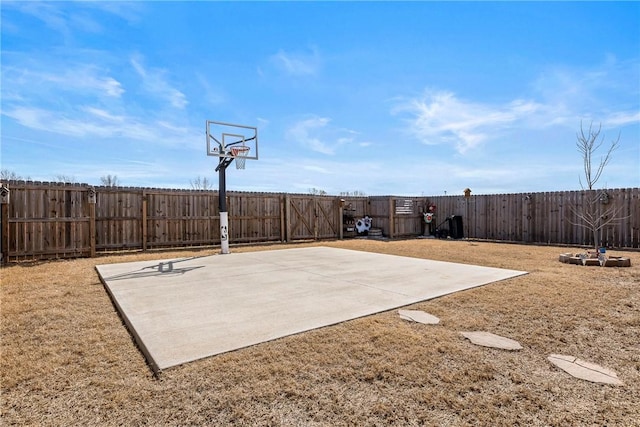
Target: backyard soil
column 67, row 358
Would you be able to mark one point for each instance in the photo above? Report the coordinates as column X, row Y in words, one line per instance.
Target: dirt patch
column 67, row 358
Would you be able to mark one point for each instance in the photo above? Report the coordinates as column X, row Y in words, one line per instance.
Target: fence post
column 391, row 221
column 287, row 216
column 283, row 236
column 92, row 222
column 341, row 203
column 315, row 217
column 144, row 220
column 4, row 219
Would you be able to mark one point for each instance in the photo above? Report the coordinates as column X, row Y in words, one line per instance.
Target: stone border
column 592, row 259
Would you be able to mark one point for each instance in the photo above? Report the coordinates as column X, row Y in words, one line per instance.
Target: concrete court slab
column 193, row 308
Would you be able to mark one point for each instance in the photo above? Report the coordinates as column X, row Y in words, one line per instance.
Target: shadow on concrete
column 163, row 268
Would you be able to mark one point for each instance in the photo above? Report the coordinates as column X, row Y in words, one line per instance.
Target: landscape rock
column 565, row 257
column 584, row 370
column 611, row 262
column 418, row 316
column 487, row 339
column 624, row 262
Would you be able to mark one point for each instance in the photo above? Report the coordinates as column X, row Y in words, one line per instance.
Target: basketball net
column 240, row 153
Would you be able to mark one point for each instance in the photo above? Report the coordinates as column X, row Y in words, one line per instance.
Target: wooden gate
column 311, row 217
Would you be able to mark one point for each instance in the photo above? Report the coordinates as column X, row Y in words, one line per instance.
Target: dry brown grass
column 67, row 359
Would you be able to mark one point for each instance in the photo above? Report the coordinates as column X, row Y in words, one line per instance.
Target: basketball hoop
column 240, row 153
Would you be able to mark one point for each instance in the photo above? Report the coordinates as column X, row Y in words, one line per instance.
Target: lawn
column 67, row 358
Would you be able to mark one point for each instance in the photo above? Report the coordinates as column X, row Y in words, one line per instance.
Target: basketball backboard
column 225, row 140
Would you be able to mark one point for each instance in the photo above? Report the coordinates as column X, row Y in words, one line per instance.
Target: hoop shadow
column 164, row 268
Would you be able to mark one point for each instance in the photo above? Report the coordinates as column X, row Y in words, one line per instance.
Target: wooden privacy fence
column 44, row 220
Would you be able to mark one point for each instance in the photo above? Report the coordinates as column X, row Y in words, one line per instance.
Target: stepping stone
column 487, row 339
column 584, row 370
column 418, row 316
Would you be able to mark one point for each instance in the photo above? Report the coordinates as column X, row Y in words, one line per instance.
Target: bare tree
column 67, row 179
column 110, row 180
column 201, row 183
column 594, row 214
column 317, row 192
column 9, row 175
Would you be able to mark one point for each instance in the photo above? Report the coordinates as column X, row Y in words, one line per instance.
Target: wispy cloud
column 317, row 134
column 304, row 132
column 105, row 115
column 85, row 100
column 297, row 64
column 212, row 95
column 605, row 92
column 92, row 122
column 560, row 97
column 32, row 80
column 65, row 18
column 52, row 14
column 128, row 172
column 128, row 11
column 443, row 118
column 155, row 83
column 622, row 118
column 332, row 175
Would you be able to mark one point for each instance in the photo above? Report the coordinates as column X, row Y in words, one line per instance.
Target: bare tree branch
column 317, row 192
column 587, row 146
column 109, row 180
column 201, row 183
column 67, row 179
column 9, row 175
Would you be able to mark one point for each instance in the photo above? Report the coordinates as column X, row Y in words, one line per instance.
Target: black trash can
column 455, row 227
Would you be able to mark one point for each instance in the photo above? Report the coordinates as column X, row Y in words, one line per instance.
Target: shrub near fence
column 43, row 220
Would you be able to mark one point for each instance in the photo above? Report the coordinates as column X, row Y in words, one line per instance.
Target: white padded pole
column 224, row 232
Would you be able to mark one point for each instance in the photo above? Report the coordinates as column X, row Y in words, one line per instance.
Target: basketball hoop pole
column 222, row 204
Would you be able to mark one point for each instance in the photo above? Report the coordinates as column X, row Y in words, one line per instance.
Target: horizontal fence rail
column 52, row 220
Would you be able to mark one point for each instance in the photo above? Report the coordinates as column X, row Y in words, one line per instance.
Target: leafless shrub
column 594, row 214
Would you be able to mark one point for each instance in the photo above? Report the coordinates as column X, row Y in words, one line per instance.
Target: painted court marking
column 186, row 309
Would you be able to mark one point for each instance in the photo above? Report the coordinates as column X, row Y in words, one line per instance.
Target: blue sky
column 416, row 98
